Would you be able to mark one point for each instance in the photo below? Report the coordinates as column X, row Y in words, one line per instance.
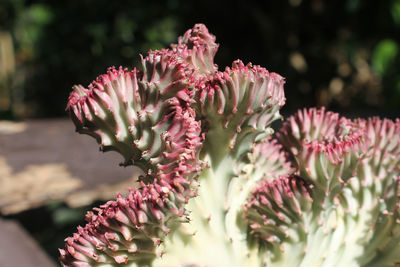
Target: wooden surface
column 17, row 248
column 46, row 160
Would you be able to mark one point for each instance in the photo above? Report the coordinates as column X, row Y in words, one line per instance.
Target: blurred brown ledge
column 17, row 248
column 46, row 160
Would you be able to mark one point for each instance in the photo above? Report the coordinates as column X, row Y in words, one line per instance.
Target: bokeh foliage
column 342, row 54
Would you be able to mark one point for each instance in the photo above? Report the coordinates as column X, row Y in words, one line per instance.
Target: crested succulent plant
column 217, row 188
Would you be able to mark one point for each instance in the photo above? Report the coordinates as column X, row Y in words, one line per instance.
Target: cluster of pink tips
column 274, row 204
column 118, row 230
column 315, row 139
column 154, row 119
column 315, row 131
column 146, row 116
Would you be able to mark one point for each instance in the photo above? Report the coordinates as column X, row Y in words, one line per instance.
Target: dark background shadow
column 340, row 54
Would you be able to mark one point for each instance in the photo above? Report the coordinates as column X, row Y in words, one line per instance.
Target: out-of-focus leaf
column 384, row 55
column 352, row 5
column 163, row 31
column 125, row 28
column 30, row 25
column 395, row 10
column 41, row 14
column 65, row 215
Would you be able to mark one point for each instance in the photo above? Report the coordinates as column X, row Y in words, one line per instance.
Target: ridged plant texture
column 218, row 189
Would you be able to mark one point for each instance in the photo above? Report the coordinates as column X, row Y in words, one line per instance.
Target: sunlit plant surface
column 218, row 189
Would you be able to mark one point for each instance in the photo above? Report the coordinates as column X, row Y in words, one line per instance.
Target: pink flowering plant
column 217, row 188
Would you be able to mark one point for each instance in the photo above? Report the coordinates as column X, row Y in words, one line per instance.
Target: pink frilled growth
column 180, row 162
column 84, row 104
column 198, row 48
column 170, row 74
column 145, row 116
column 246, row 87
column 270, row 160
column 161, row 117
column 311, row 132
column 382, row 137
column 167, row 76
column 321, row 141
column 126, row 229
column 131, row 228
column 341, row 164
column 149, row 117
column 241, row 102
column 276, row 205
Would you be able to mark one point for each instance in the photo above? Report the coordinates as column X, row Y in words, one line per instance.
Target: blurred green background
column 342, row 54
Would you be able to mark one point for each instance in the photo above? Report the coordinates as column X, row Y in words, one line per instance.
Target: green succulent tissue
column 217, row 188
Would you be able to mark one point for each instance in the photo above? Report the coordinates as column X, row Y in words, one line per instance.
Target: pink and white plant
column 217, row 189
